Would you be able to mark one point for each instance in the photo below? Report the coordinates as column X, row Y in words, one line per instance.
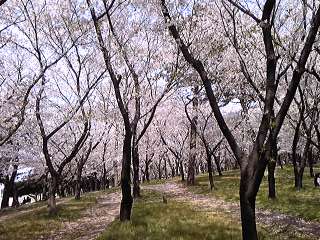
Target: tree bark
column 271, row 179
column 52, row 196
column 181, row 171
column 78, row 183
column 193, row 139
column 9, row 187
column 126, row 201
column 135, row 163
column 218, row 165
column 210, row 171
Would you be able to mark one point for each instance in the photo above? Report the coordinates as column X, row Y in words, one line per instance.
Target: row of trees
column 100, row 92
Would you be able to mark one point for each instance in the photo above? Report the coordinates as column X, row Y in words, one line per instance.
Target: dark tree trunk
column 147, row 171
column 52, row 196
column 310, row 162
column 159, row 169
column 251, row 177
column 247, row 204
column 218, row 165
column 271, row 168
column 165, row 169
column 15, row 196
column 78, row 183
column 271, row 179
column 9, row 187
column 126, row 201
column 210, row 171
column 181, row 171
column 193, row 140
column 135, row 163
column 6, row 193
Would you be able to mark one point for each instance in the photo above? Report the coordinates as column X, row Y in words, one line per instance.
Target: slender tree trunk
column 126, row 201
column 78, row 183
column 271, row 179
column 6, row 193
column 310, row 162
column 193, row 140
column 271, row 169
column 218, row 165
column 135, row 163
column 210, row 171
column 147, row 171
column 181, row 171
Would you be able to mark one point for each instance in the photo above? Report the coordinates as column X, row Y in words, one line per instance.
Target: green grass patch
column 154, row 220
column 304, row 203
column 155, row 182
column 38, row 224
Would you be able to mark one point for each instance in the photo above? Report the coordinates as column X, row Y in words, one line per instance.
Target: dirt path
column 93, row 222
column 279, row 223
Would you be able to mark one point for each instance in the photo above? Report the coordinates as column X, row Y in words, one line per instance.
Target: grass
column 154, row 220
column 38, row 224
column 304, row 204
column 156, row 181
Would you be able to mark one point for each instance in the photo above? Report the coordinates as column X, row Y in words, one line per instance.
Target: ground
column 190, row 213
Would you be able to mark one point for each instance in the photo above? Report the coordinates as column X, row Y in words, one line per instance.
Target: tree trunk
column 271, row 179
column 126, row 201
column 147, row 171
column 193, row 140
column 310, row 162
column 135, row 163
column 15, row 201
column 6, row 193
column 248, row 218
column 52, row 196
column 247, row 206
column 181, row 171
column 303, row 164
column 217, row 162
column 272, row 162
column 78, row 183
column 209, row 163
column 8, row 187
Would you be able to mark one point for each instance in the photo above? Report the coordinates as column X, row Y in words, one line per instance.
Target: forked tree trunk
column 126, row 201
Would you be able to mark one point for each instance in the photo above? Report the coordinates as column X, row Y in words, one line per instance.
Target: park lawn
column 154, row 220
column 37, row 224
column 304, row 203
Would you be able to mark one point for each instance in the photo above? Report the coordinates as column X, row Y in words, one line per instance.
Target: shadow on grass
column 154, row 220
